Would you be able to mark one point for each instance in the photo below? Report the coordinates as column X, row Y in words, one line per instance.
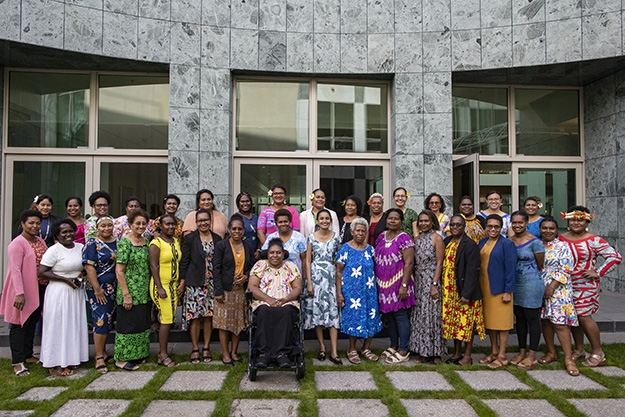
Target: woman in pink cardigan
column 22, row 296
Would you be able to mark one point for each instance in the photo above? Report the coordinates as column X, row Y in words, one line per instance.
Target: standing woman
column 531, row 206
column 250, row 220
column 292, row 240
column 319, row 307
column 64, row 341
column 462, row 297
column 43, row 204
column 204, row 199
column 266, row 220
column 474, row 224
column 122, row 223
column 394, row 266
column 73, row 207
column 528, row 297
column 99, row 258
column 196, row 270
column 558, row 311
column 22, row 296
column 171, row 203
column 132, row 341
column 357, row 294
column 377, row 219
column 436, row 203
column 165, row 285
column 232, row 263
column 308, row 218
column 498, row 282
column 99, row 202
column 586, row 248
column 353, row 208
column 494, row 200
column 426, row 319
column 409, row 223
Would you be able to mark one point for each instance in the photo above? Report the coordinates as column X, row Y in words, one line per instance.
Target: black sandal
column 206, row 355
column 109, row 359
column 102, row 368
column 128, row 366
column 195, row 360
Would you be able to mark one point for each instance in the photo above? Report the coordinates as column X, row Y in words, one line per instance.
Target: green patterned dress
column 132, row 341
column 410, row 216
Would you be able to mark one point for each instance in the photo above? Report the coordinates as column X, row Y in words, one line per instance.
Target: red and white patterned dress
column 586, row 252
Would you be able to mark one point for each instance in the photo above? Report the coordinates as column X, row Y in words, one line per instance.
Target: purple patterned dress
column 389, row 271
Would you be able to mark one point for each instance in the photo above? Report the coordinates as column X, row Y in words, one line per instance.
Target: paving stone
column 195, row 381
column 523, row 408
column 78, row 373
column 600, row 407
column 419, row 381
column 495, row 380
column 92, row 408
column 352, row 408
column 271, row 381
column 317, row 362
column 438, row 408
column 16, row 413
column 41, row 393
column 345, row 381
column 610, row 371
column 560, row 379
column 264, row 408
column 172, row 408
column 121, row 381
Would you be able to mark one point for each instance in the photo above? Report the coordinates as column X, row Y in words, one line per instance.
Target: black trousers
column 528, row 319
column 275, row 335
column 21, row 338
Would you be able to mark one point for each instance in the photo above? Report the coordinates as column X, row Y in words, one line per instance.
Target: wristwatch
column 404, row 285
column 434, row 283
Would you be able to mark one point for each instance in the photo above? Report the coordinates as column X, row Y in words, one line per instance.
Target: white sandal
column 398, row 358
column 23, row 369
column 388, row 353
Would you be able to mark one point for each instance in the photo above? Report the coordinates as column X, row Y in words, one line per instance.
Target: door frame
column 475, row 160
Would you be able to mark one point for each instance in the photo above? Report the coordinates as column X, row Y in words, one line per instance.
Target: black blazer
column 223, row 265
column 193, row 262
column 467, row 268
column 379, row 227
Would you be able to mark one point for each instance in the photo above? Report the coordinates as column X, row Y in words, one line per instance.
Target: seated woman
column 276, row 285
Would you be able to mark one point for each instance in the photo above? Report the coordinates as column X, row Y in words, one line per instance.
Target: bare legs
column 466, row 359
column 588, row 327
column 163, row 338
column 99, row 341
column 194, row 330
column 334, row 335
column 225, row 337
column 499, row 341
column 352, row 343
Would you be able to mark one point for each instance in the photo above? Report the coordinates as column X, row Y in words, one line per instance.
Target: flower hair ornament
column 407, row 195
column 343, row 202
column 577, row 215
column 368, row 202
column 270, row 193
column 36, row 199
column 311, row 196
column 540, row 205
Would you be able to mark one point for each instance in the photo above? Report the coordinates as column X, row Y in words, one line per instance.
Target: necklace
column 47, row 229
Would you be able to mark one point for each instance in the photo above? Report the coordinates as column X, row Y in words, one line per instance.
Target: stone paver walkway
column 419, row 381
column 41, row 393
column 438, row 408
column 352, row 408
column 92, row 408
column 173, row 408
column 523, row 408
column 195, row 381
column 344, row 381
column 604, row 407
column 560, row 380
column 119, row 381
column 264, row 408
column 492, row 380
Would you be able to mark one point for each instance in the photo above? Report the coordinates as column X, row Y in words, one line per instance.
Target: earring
column 586, row 229
column 568, row 228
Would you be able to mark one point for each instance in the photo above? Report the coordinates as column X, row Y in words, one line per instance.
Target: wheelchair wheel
column 300, row 371
column 251, row 373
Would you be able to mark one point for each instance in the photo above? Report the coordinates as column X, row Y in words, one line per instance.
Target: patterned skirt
column 460, row 320
column 198, row 303
column 231, row 315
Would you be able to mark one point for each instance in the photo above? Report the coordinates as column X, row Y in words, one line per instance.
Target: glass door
column 467, row 180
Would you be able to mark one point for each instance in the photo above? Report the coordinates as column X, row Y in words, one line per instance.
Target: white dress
column 64, row 341
column 307, row 222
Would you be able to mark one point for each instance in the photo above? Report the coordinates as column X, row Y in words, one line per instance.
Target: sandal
column 518, row 359
column 600, row 360
column 102, row 368
column 32, row 360
column 206, row 355
column 548, row 358
column 196, row 360
column 571, row 368
column 170, row 364
column 369, row 355
column 526, row 365
column 578, row 356
column 497, row 363
column 451, row 359
column 22, row 371
column 488, row 359
column 127, row 367
column 335, row 360
column 109, row 359
column 58, row 371
column 398, row 358
column 388, row 352
column 353, row 357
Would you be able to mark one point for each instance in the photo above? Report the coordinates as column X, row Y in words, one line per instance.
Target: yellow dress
column 497, row 314
column 459, row 321
column 168, row 263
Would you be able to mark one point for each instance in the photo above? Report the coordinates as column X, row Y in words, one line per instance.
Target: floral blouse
column 276, row 283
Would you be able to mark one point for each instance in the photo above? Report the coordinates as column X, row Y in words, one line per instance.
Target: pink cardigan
column 21, row 279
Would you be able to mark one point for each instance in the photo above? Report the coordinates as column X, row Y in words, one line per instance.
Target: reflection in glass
column 59, row 180
column 352, row 118
column 547, row 122
column 258, row 180
column 147, row 181
column 271, row 116
column 480, row 120
column 48, row 110
column 496, row 176
column 133, row 112
column 341, row 181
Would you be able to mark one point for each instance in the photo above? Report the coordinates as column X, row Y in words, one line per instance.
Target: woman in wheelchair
column 276, row 285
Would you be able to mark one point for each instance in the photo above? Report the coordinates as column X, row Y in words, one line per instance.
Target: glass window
column 59, row 180
column 133, row 112
column 258, row 180
column 341, row 181
column 496, row 176
column 352, row 118
column 547, row 122
column 48, row 110
column 148, row 181
column 272, row 116
column 480, row 120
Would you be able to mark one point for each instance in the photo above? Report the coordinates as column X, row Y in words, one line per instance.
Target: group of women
column 427, row 276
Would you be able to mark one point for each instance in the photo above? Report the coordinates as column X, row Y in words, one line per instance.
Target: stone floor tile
column 264, row 408
column 317, row 362
column 195, row 381
column 476, row 358
column 173, row 408
column 92, row 408
column 419, row 381
column 560, row 380
column 41, row 393
column 16, row 413
column 352, row 408
column 523, row 408
column 438, row 408
column 610, row 371
column 271, row 381
column 495, row 380
column 345, row 381
column 121, row 381
column 78, row 373
column 600, row 407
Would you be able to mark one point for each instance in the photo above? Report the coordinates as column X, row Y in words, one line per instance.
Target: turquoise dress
column 534, row 228
column 529, row 284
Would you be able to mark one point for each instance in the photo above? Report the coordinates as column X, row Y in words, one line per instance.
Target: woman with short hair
column 250, row 221
column 122, row 223
column 353, row 209
column 292, row 240
column 204, row 199
column 99, row 202
column 73, row 207
column 377, row 219
column 436, row 203
column 308, row 218
column 171, row 203
column 266, row 220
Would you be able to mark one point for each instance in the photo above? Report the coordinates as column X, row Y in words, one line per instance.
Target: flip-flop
column 451, row 359
column 336, row 360
column 127, row 367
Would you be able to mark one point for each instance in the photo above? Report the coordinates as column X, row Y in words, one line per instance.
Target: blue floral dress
column 360, row 317
column 102, row 256
column 529, row 284
column 559, row 262
column 295, row 245
column 321, row 309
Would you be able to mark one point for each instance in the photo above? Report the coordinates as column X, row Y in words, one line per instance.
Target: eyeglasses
column 278, row 194
column 101, row 205
column 495, row 227
column 437, row 203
